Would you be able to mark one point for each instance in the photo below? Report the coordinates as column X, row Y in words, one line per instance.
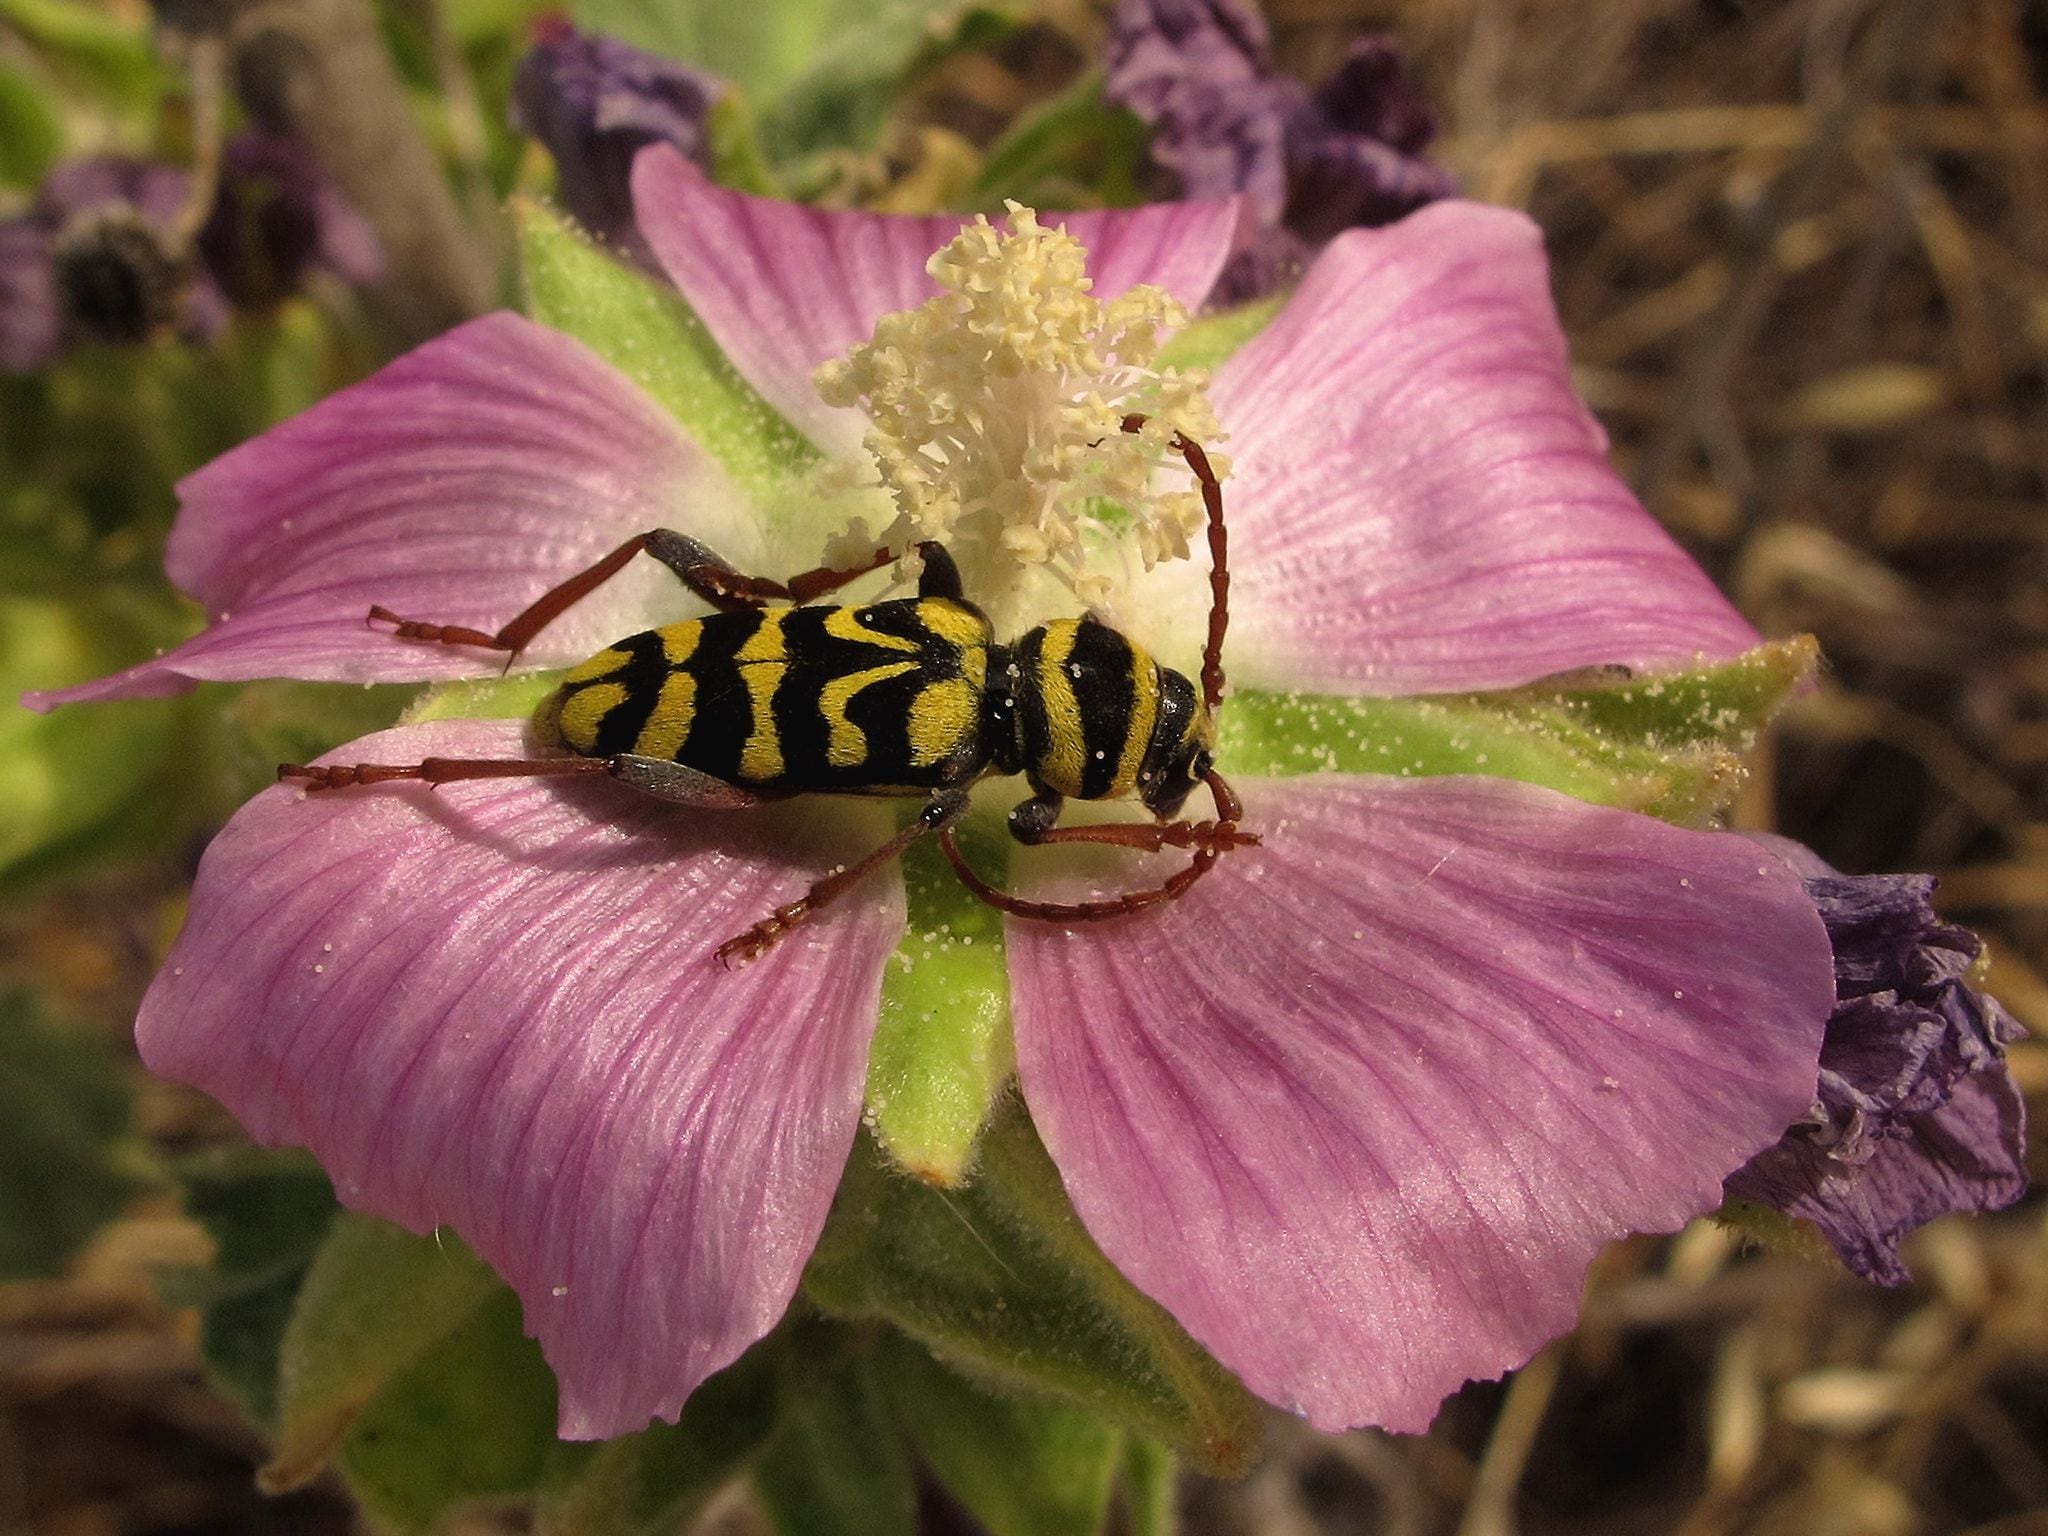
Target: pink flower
column 1358, row 1110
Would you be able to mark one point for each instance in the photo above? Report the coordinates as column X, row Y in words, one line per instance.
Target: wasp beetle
column 912, row 696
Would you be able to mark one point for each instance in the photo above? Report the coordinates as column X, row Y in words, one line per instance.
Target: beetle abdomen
column 880, row 698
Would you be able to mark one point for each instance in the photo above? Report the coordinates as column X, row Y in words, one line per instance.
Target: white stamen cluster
column 997, row 407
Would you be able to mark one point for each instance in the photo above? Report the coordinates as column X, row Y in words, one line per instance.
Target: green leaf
column 857, row 63
column 1149, row 1489
column 1667, row 744
column 942, row 1049
column 374, row 1302
column 112, row 54
column 30, row 135
column 473, row 1418
column 64, row 773
column 1075, row 151
column 267, row 1213
column 1000, row 1279
column 646, row 330
column 837, row 1465
column 64, row 1108
column 657, row 1481
column 1021, row 1465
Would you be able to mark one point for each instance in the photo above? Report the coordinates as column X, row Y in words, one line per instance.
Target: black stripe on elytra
column 723, row 712
column 642, row 676
column 1106, row 690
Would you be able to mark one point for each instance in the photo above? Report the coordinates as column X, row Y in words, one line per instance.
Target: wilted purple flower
column 1311, row 163
column 596, row 102
column 1358, row 1110
column 279, row 215
column 101, row 253
column 1915, row 1116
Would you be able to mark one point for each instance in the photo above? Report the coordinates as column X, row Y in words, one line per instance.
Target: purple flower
column 1914, row 1116
column 100, row 254
column 1358, row 1110
column 94, row 257
column 1310, row 163
column 596, row 102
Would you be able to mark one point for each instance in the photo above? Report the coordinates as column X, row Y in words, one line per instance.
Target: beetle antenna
column 1219, row 561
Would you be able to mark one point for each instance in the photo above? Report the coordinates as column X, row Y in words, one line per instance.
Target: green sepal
column 473, row 1418
column 656, row 1481
column 942, row 1048
column 1667, row 744
column 1022, row 1465
column 647, row 331
column 483, row 698
column 1149, row 1487
column 64, row 1114
column 1000, row 1280
column 374, row 1302
column 1213, row 340
column 264, row 723
column 837, row 1465
column 267, row 1213
column 1774, row 1230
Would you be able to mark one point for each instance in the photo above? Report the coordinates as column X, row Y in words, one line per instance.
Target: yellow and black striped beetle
column 911, row 696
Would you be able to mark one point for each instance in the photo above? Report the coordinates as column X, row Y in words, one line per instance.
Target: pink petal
column 783, row 287
column 454, row 486
column 1420, row 502
column 495, row 1006
column 1361, row 1107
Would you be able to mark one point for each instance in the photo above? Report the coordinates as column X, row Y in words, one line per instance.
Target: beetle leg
column 1031, row 825
column 439, row 770
column 650, row 775
column 938, row 815
column 703, row 571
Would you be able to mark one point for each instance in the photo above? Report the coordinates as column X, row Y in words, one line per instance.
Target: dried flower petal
column 1915, row 1116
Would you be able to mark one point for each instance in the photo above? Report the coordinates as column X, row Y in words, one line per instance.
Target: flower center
column 997, row 412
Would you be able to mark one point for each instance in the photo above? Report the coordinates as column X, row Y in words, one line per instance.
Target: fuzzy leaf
column 999, row 1279
column 943, row 1048
column 646, row 330
column 375, row 1301
column 657, row 1481
column 267, row 1213
column 63, row 1107
column 474, row 1417
column 837, row 1464
column 1021, row 1465
column 1666, row 744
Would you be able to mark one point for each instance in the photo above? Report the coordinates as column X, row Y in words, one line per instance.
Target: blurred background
column 1801, row 248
